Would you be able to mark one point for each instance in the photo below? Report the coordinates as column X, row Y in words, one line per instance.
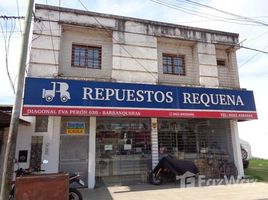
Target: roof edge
column 91, row 13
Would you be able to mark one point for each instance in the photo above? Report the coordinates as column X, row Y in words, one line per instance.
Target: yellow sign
column 75, row 131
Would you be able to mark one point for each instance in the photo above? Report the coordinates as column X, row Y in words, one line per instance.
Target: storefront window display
column 207, row 142
column 123, row 150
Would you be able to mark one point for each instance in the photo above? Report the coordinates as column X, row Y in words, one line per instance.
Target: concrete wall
column 228, row 75
column 45, row 48
column 50, row 149
column 208, row 70
column 236, row 148
column 51, row 145
column 131, row 49
column 178, row 47
column 134, row 57
column 24, row 143
column 88, row 37
column 92, row 152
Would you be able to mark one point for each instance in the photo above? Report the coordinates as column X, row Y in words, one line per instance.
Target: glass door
column 123, row 150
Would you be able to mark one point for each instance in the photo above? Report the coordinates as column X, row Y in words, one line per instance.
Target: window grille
column 36, row 152
column 174, row 64
column 86, row 56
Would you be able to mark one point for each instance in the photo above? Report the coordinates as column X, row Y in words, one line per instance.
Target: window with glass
column 86, row 56
column 174, row 64
column 123, row 150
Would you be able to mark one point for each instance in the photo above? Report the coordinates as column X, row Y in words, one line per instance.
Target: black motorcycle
column 74, row 193
column 169, row 168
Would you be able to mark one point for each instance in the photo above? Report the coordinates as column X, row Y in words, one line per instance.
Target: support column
column 208, row 70
column 154, row 139
column 92, row 152
column 52, row 140
column 236, row 148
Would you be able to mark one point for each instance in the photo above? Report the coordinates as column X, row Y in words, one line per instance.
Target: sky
column 252, row 65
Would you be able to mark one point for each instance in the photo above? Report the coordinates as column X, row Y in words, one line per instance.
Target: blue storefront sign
column 88, row 98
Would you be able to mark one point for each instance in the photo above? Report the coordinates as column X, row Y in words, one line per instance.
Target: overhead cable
column 18, row 11
column 51, row 37
column 205, row 15
column 122, row 47
column 251, row 58
column 253, row 49
column 226, row 12
column 7, row 35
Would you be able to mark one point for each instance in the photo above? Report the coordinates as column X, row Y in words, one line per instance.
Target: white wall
column 24, row 142
column 45, row 48
column 51, row 142
column 208, row 70
column 134, row 58
column 92, row 152
column 236, row 148
column 51, row 145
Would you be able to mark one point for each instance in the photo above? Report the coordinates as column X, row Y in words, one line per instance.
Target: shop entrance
column 123, row 150
column 206, row 142
column 74, row 146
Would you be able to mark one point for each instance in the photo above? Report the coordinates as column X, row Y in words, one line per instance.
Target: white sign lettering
column 212, row 99
column 106, row 94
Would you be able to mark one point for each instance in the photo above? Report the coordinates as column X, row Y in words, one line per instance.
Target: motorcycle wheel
column 74, row 194
column 11, row 197
column 155, row 180
column 12, row 194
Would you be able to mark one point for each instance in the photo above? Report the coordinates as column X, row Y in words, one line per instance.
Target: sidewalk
column 247, row 191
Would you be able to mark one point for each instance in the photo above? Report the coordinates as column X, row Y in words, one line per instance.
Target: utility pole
column 8, row 164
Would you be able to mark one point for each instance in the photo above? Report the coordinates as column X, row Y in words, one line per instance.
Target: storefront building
column 109, row 96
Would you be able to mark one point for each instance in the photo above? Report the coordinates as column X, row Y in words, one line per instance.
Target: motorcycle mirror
column 44, row 161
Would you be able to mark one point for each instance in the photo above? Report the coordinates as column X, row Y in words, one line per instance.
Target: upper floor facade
column 75, row 44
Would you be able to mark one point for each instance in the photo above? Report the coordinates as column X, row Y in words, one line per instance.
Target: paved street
column 247, row 191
